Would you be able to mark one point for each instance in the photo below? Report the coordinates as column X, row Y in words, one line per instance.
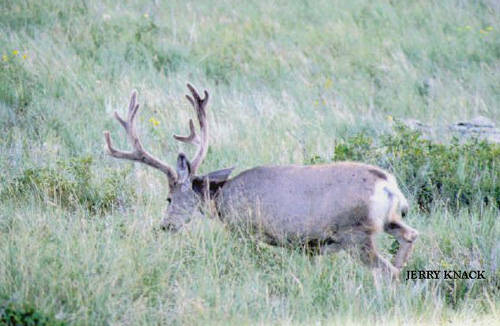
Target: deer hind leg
column 370, row 256
column 403, row 254
column 405, row 235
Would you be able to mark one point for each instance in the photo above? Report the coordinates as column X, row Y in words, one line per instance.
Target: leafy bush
column 10, row 315
column 71, row 183
column 458, row 172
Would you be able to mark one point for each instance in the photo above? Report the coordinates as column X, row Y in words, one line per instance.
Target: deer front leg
column 331, row 248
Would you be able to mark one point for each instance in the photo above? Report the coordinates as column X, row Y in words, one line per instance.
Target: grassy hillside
column 78, row 230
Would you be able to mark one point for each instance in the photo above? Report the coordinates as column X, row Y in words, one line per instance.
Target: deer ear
column 219, row 175
column 215, row 179
column 183, row 168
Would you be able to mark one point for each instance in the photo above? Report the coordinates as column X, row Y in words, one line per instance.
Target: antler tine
column 139, row 154
column 199, row 104
column 192, row 138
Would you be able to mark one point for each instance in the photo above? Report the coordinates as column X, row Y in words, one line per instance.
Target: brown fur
column 302, row 202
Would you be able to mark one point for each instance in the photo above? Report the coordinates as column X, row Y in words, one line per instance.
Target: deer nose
column 169, row 227
column 166, row 226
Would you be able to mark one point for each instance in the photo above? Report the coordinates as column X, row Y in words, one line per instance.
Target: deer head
column 187, row 190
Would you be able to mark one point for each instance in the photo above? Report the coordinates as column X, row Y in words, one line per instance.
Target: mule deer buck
column 333, row 206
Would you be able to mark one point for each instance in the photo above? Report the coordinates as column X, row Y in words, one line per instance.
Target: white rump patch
column 385, row 195
column 381, row 202
column 393, row 187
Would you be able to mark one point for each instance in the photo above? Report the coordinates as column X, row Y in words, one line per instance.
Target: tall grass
column 287, row 79
column 120, row 269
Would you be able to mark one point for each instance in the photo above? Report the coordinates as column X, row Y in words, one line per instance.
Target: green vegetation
column 459, row 174
column 10, row 315
column 290, row 82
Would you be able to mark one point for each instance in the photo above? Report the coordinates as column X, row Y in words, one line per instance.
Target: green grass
column 287, row 80
column 120, row 268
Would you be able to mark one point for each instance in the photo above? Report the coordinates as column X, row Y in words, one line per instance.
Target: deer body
column 331, row 207
column 300, row 203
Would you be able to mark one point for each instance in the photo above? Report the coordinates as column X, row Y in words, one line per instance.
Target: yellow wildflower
column 489, row 28
column 316, row 103
column 390, row 118
column 15, row 52
column 154, row 121
column 5, row 57
column 25, row 56
column 445, row 264
column 328, row 83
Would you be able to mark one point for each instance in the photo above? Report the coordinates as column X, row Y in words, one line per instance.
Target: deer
column 328, row 207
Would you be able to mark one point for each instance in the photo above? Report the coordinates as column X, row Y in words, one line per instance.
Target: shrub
column 25, row 315
column 458, row 172
column 72, row 182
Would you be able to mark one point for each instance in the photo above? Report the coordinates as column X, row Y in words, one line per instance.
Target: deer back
column 302, row 201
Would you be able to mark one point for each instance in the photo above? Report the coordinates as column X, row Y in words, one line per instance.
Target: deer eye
column 169, row 200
